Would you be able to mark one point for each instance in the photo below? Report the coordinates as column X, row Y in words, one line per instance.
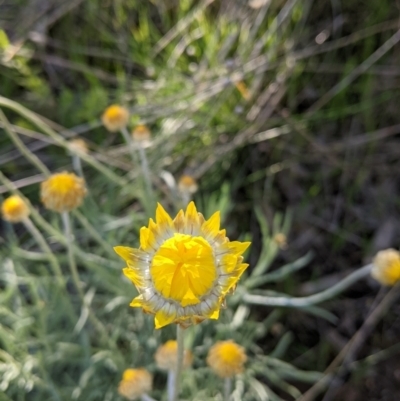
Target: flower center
column 183, row 269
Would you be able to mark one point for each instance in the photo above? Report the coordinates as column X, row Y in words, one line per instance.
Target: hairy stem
column 179, row 365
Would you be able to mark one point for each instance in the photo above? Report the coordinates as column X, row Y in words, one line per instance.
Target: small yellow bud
column 386, row 267
column 141, row 133
column 78, row 145
column 226, row 358
column 135, row 383
column 166, row 356
column 115, row 117
column 14, row 209
column 280, row 240
column 187, row 184
column 63, row 192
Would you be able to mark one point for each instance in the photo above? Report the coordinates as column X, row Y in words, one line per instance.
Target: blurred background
column 284, row 108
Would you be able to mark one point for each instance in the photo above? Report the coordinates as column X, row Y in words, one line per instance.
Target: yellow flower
column 14, row 209
column 386, row 267
column 226, row 358
column 184, row 267
column 187, row 184
column 63, row 192
column 115, row 117
column 135, row 383
column 78, row 145
column 166, row 356
column 141, row 133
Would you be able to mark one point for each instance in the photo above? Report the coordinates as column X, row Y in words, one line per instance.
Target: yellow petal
column 125, row 252
column 147, row 240
column 163, row 318
column 201, row 218
column 179, row 221
column 214, row 315
column 131, row 255
column 210, row 227
column 192, row 219
column 133, row 276
column 221, row 237
column 137, row 302
column 237, row 247
column 228, row 263
column 162, row 217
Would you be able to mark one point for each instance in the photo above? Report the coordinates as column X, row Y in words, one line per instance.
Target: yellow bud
column 115, row 117
column 280, row 240
column 14, row 209
column 63, row 192
column 78, row 145
column 187, row 184
column 135, row 383
column 386, row 267
column 226, row 358
column 141, row 133
column 167, row 355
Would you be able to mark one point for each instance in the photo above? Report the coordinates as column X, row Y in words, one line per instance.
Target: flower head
column 63, row 192
column 167, row 356
column 141, row 133
column 226, row 358
column 115, row 117
column 386, row 267
column 187, row 184
column 135, row 383
column 14, row 209
column 78, row 145
column 184, row 267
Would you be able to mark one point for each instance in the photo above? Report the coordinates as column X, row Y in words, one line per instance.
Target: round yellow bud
column 386, row 267
column 115, row 117
column 167, row 355
column 226, row 358
column 141, row 133
column 187, row 184
column 135, row 383
column 63, row 192
column 14, row 209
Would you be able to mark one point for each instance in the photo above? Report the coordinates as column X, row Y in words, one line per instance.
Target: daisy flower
column 184, row 267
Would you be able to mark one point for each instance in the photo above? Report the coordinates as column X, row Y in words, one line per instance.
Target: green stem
column 179, row 364
column 227, row 388
column 77, row 165
column 146, row 397
column 146, row 172
column 129, row 143
column 75, row 275
column 312, row 299
column 71, row 259
column 21, row 146
column 58, row 139
column 45, row 248
column 171, row 384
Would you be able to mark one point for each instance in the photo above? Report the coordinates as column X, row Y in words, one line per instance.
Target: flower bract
column 135, row 383
column 226, row 358
column 63, row 192
column 14, row 209
column 184, row 267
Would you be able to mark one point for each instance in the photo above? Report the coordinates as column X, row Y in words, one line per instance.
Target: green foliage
column 179, row 67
